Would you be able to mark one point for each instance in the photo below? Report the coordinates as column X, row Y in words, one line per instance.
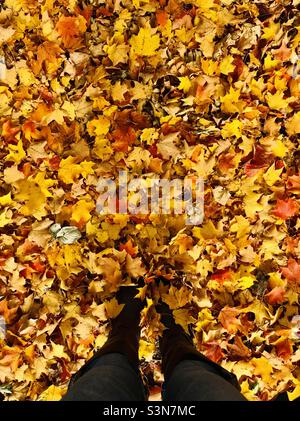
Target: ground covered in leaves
column 173, row 89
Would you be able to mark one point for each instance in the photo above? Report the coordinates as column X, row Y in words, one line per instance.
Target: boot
column 125, row 332
column 176, row 345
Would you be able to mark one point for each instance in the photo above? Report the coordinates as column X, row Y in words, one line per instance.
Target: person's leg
column 189, row 375
column 195, row 380
column 113, row 372
column 110, row 378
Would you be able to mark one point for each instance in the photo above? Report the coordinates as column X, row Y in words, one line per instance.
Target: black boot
column 176, row 345
column 125, row 332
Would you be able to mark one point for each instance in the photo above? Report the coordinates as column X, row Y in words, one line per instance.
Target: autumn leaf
column 229, row 320
column 293, row 184
column 81, row 211
column 183, row 318
column 70, row 28
column 262, row 368
column 53, row 393
column 176, row 298
column 159, row 90
column 292, row 272
column 145, row 43
column 276, row 296
column 285, row 209
column 69, row 170
column 113, row 308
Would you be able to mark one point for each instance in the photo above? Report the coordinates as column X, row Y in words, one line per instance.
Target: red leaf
column 123, row 137
column 222, row 275
column 214, row 352
column 54, row 162
column 252, row 169
column 261, row 159
column 285, row 209
column 292, row 271
column 161, row 17
column 276, row 296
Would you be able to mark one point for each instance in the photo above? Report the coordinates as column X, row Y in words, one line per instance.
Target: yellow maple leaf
column 226, row 65
column 145, row 43
column 118, row 53
column 262, row 368
column 205, row 318
column 296, row 392
column 251, row 204
column 272, row 175
column 98, row 126
column 244, row 282
column 259, row 310
column 69, row 171
column 53, row 393
column 6, row 199
column 231, row 102
column 176, row 298
column 100, row 340
column 270, row 31
column 4, row 220
column 232, row 128
column 276, row 101
column 293, row 124
column 81, row 211
column 16, row 152
column 270, row 63
column 278, row 147
column 183, row 318
column 185, row 83
column 146, row 350
column 241, row 226
column 113, row 308
column 34, row 191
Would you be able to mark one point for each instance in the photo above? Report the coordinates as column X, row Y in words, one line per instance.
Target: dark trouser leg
column 189, row 375
column 113, row 372
column 108, row 378
column 193, row 380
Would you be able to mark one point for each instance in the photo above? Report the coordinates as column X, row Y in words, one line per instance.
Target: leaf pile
column 165, row 89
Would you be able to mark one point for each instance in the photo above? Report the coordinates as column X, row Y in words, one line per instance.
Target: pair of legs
column 113, row 373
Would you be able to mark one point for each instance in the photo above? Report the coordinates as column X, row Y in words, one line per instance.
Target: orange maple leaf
column 47, row 54
column 70, row 30
column 8, row 131
column 285, row 209
column 129, row 247
column 284, row 349
column 229, row 320
column 276, row 295
column 292, row 271
column 161, row 17
column 214, row 352
column 9, row 314
column 222, row 275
